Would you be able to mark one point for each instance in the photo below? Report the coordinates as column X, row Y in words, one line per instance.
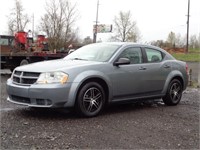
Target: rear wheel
column 90, row 100
column 174, row 93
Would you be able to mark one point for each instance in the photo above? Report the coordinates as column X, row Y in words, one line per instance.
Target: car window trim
column 131, row 47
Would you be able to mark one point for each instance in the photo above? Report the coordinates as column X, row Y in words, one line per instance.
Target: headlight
column 52, row 77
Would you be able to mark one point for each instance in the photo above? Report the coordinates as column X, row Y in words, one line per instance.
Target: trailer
column 20, row 50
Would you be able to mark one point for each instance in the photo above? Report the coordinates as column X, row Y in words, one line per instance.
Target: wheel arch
column 173, row 75
column 24, row 62
column 84, row 78
column 98, row 80
column 178, row 78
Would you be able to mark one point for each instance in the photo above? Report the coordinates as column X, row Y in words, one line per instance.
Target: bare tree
column 171, row 39
column 18, row 20
column 159, row 43
column 87, row 40
column 125, row 28
column 58, row 23
column 199, row 41
column 179, row 40
column 194, row 43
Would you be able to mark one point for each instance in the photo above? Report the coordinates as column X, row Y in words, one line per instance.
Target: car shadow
column 49, row 113
column 135, row 106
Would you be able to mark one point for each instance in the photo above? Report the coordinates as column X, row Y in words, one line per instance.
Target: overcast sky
column 155, row 18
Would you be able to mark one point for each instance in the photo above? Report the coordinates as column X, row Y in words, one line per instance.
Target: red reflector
column 186, row 67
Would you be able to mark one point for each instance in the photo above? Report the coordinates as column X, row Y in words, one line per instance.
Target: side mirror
column 122, row 61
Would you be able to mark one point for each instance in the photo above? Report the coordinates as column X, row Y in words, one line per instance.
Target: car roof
column 126, row 44
column 131, row 44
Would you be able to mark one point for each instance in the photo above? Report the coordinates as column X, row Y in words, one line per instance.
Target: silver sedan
column 99, row 74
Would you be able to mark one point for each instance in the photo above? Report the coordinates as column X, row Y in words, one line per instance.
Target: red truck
column 21, row 50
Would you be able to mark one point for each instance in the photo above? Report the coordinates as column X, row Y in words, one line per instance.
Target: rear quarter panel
column 178, row 70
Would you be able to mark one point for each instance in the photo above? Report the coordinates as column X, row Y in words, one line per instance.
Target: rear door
column 156, row 71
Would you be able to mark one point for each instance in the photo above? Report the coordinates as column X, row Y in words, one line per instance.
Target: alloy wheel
column 175, row 92
column 92, row 99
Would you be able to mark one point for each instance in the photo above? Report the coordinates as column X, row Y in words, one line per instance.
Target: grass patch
column 191, row 57
column 195, row 85
column 197, row 50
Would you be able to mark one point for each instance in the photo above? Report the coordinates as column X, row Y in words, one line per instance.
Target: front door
column 126, row 79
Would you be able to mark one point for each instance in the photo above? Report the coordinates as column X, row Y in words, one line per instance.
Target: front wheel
column 174, row 93
column 90, row 99
column 24, row 62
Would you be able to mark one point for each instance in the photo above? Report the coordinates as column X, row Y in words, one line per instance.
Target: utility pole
column 96, row 23
column 188, row 22
column 33, row 27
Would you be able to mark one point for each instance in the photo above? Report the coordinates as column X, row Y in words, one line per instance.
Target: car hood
column 55, row 65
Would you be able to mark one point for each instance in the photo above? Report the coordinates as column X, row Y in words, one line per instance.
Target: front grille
column 31, row 74
column 25, row 78
column 18, row 73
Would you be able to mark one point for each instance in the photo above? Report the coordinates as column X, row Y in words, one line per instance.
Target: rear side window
column 153, row 55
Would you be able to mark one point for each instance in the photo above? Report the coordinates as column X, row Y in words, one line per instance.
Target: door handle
column 166, row 66
column 142, row 68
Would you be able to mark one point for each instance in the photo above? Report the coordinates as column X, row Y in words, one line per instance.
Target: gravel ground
column 132, row 126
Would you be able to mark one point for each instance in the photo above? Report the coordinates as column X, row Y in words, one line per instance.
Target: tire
column 24, row 62
column 2, row 66
column 90, row 100
column 174, row 93
column 12, row 69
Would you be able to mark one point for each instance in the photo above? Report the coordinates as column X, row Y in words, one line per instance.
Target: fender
column 83, row 77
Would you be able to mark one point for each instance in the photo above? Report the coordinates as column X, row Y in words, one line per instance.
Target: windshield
column 94, row 52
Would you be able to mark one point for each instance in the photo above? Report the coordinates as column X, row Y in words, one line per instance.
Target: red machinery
column 21, row 40
column 42, row 42
column 20, row 50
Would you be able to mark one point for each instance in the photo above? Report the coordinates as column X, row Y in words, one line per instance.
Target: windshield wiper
column 78, row 59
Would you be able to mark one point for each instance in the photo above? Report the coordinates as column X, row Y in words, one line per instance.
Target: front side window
column 153, row 55
column 134, row 54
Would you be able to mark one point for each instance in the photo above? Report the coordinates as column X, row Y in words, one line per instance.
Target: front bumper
column 39, row 95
